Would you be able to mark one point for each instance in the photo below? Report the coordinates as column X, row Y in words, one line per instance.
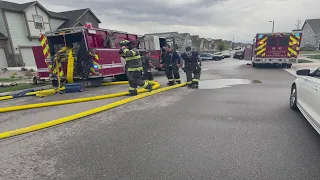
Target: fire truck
column 81, row 54
column 154, row 44
column 276, row 48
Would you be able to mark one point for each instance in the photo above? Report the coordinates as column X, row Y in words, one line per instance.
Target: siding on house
column 34, row 11
column 19, row 32
column 55, row 23
column 88, row 17
column 3, row 28
column 308, row 37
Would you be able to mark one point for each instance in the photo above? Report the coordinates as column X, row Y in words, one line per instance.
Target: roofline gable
column 88, row 10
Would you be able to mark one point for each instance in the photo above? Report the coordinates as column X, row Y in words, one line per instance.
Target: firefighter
column 170, row 60
column 192, row 66
column 133, row 67
column 146, row 64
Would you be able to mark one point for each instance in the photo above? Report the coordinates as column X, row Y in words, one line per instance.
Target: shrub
column 12, row 76
column 32, row 70
column 24, row 69
column 29, row 74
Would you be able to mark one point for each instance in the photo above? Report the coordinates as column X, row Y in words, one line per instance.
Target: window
column 271, row 42
column 38, row 22
column 316, row 73
column 284, row 42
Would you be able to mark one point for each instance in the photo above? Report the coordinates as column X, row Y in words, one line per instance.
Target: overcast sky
column 207, row 18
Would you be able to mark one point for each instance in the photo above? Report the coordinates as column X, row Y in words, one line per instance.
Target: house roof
column 2, row 35
column 72, row 17
column 194, row 37
column 14, row 6
column 198, row 41
column 184, row 34
column 314, row 24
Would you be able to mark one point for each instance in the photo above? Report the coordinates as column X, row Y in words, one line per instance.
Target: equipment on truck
column 276, row 48
column 82, row 53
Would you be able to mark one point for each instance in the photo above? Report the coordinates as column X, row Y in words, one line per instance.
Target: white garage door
column 27, row 56
column 3, row 60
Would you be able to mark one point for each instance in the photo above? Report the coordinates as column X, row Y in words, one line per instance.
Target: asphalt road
column 221, row 131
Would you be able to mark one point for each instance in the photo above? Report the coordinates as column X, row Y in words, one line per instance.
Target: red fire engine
column 81, row 53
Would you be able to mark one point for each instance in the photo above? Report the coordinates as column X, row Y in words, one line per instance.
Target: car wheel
column 254, row 65
column 289, row 65
column 293, row 98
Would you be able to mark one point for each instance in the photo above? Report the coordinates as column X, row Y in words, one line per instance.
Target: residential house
column 21, row 25
column 187, row 42
column 310, row 33
column 228, row 44
column 200, row 43
column 181, row 40
column 217, row 43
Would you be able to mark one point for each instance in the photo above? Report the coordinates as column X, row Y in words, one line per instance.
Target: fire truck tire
column 35, row 81
column 121, row 77
column 54, row 83
column 36, row 127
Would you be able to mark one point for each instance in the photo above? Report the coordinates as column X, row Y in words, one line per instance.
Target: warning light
column 260, row 36
column 297, row 34
column 95, row 66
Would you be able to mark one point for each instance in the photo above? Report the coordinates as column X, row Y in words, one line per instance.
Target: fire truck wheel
column 35, row 81
column 55, row 83
column 121, row 77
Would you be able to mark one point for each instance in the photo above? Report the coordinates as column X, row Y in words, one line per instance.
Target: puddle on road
column 222, row 83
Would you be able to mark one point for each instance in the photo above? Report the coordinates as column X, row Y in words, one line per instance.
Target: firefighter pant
column 135, row 80
column 194, row 70
column 147, row 75
column 172, row 73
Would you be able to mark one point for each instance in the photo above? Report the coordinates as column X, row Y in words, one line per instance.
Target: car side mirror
column 303, row 72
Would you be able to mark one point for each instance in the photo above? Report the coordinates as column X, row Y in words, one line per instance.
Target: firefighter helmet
column 188, row 48
column 125, row 43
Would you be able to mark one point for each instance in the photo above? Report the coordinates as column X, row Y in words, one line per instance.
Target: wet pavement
column 237, row 128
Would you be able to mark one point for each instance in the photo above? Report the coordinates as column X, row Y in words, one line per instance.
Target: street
column 238, row 128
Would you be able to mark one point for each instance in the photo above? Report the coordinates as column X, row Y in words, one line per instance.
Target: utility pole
column 272, row 26
column 233, row 42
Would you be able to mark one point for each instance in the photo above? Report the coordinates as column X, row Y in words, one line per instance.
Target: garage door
column 3, row 60
column 27, row 56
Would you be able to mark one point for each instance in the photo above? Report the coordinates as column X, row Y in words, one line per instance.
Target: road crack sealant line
column 73, row 117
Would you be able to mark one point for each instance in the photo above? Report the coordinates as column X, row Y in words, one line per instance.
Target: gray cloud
column 207, row 18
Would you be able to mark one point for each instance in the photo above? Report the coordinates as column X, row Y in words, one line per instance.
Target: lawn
column 314, row 56
column 10, row 79
column 20, row 87
column 304, row 61
column 309, row 52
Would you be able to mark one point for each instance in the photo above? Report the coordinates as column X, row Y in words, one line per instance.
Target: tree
column 222, row 46
column 298, row 24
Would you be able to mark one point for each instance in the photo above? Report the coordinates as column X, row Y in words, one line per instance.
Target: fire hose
column 73, row 117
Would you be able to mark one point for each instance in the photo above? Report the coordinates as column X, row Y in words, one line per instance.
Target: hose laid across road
column 36, row 127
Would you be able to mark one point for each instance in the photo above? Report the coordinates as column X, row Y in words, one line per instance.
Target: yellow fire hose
column 36, row 127
column 70, row 67
column 78, row 100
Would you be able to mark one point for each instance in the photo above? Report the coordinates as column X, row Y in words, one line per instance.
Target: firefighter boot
column 170, row 83
column 149, row 87
column 178, row 81
column 132, row 93
column 195, row 85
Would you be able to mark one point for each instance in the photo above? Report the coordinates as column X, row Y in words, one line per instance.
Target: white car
column 305, row 96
